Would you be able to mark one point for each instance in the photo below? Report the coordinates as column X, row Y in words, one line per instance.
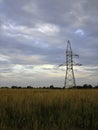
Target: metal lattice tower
column 69, row 75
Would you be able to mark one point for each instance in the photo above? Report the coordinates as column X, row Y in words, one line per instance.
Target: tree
column 87, row 86
column 51, row 86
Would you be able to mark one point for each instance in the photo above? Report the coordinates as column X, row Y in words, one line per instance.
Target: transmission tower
column 69, row 75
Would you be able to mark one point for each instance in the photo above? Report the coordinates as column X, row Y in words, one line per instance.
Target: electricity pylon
column 69, row 75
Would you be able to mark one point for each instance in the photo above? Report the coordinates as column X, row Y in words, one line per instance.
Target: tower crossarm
column 75, row 55
column 74, row 64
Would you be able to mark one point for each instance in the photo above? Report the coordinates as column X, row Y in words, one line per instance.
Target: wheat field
column 47, row 109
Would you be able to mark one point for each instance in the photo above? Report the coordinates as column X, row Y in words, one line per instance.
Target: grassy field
column 45, row 109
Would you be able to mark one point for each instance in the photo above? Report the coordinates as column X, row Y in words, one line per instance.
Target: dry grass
column 43, row 109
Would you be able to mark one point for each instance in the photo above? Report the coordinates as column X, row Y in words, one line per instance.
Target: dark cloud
column 35, row 32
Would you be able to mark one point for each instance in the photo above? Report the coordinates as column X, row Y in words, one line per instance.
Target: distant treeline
column 85, row 86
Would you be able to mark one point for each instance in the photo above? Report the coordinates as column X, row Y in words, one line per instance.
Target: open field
column 46, row 109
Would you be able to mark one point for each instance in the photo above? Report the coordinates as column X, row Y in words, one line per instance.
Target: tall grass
column 42, row 109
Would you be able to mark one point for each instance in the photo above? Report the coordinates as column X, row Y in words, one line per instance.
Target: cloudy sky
column 33, row 35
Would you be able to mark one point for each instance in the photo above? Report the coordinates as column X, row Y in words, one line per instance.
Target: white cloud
column 18, row 68
column 4, row 58
column 48, row 29
column 14, row 30
column 79, row 32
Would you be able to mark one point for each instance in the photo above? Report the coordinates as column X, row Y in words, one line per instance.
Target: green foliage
column 44, row 109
